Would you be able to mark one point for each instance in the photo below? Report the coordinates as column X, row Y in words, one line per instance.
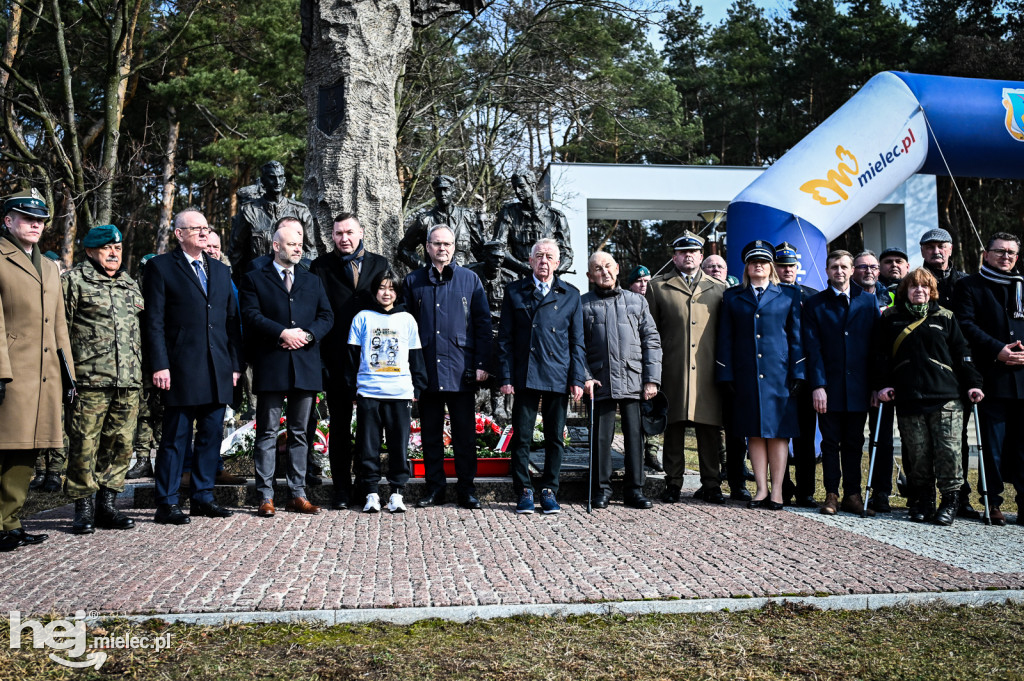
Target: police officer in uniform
column 103, row 305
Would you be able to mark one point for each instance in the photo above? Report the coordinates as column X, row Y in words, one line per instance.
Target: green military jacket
column 103, row 321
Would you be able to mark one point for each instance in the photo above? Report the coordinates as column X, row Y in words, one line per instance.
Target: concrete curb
column 405, row 616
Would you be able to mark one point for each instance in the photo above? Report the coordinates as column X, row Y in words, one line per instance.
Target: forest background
column 125, row 111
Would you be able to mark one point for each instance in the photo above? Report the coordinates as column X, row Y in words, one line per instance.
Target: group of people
column 749, row 367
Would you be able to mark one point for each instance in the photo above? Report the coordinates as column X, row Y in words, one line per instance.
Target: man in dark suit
column 837, row 327
column 192, row 339
column 541, row 360
column 285, row 314
column 346, row 274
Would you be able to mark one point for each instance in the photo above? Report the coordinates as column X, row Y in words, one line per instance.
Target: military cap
column 146, row 258
column 688, row 241
column 101, row 235
column 443, row 181
column 785, row 254
column 28, row 202
column 759, row 250
column 894, row 250
column 937, row 234
column 636, row 273
column 51, row 255
column 654, row 414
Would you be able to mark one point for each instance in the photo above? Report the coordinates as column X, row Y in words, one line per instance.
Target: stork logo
column 1013, row 100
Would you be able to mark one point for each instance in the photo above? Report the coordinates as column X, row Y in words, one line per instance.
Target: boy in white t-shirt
column 387, row 356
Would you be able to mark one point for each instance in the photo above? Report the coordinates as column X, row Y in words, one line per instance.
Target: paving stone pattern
column 452, row 557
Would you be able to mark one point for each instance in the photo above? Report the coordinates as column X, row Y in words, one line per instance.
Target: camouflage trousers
column 931, row 447
column 150, row 421
column 101, row 435
column 55, row 460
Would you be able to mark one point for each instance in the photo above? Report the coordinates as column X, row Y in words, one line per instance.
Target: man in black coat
column 192, row 338
column 285, row 314
column 990, row 311
column 346, row 274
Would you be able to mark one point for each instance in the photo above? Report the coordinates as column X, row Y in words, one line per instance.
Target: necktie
column 758, row 291
column 288, row 280
column 689, row 279
column 543, row 289
column 201, row 274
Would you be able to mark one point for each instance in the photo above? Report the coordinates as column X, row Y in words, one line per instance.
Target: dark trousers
column 392, row 418
column 15, row 474
column 463, row 421
column 604, row 425
column 208, row 421
column 552, row 407
column 803, row 462
column 1002, row 444
column 842, row 448
column 268, row 419
column 339, row 402
column 881, row 476
column 735, row 448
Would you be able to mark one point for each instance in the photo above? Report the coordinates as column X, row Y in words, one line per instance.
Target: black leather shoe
column 714, row 496
column 340, row 501
column 772, row 505
column 209, row 509
column 965, row 510
column 469, row 501
column 85, row 516
column 26, row 539
column 600, row 501
column 8, row 543
column 740, row 495
column 435, row 498
column 672, row 494
column 879, row 504
column 699, row 494
column 37, row 481
column 170, row 514
column 748, row 474
column 638, row 501
column 757, row 503
column 805, row 502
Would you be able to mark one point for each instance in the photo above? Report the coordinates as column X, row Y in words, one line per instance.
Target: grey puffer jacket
column 622, row 342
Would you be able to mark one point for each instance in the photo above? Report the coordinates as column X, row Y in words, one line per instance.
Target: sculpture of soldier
column 466, row 224
column 495, row 278
column 252, row 228
column 523, row 223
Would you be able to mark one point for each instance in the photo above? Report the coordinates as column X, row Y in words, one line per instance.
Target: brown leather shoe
column 266, row 509
column 228, row 479
column 852, row 503
column 301, row 505
column 831, row 504
column 997, row 516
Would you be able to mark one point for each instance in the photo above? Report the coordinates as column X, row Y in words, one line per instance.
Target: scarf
column 1003, row 279
column 917, row 311
column 351, row 263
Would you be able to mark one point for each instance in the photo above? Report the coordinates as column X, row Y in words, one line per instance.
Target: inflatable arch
column 898, row 124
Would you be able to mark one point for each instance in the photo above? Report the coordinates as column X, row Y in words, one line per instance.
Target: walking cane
column 871, row 460
column 982, row 483
column 590, row 462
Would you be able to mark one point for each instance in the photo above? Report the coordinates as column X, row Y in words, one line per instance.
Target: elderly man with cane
column 623, row 364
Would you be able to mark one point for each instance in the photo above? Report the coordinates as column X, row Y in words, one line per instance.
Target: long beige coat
column 32, row 328
column 688, row 323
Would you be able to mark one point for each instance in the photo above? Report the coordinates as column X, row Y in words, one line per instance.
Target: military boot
column 947, row 509
column 651, row 458
column 107, row 515
column 53, row 481
column 85, row 514
column 37, row 480
column 142, row 468
column 924, row 504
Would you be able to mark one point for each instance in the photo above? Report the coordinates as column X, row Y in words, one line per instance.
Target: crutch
column 982, row 483
column 590, row 462
column 871, row 459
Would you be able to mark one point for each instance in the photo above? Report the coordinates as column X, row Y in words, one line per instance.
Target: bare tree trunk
column 11, row 43
column 163, row 232
column 65, row 221
column 357, row 49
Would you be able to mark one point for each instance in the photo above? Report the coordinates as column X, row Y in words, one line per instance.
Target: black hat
column 785, row 254
column 28, row 202
column 893, row 250
column 654, row 414
column 688, row 241
column 758, row 250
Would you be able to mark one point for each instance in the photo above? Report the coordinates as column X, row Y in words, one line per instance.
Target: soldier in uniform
column 103, row 305
column 252, row 229
column 523, row 223
column 466, row 224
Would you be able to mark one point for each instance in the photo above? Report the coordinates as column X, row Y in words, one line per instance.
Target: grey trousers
column 268, row 421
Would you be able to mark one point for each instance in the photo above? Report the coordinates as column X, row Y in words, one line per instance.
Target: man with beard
column 894, row 265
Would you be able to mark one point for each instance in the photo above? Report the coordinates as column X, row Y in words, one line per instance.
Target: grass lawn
column 778, row 642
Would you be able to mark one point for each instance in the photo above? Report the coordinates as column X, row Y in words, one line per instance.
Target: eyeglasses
column 198, row 230
column 1006, row 253
column 866, row 268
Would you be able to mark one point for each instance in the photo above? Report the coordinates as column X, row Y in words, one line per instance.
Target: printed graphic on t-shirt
column 385, row 346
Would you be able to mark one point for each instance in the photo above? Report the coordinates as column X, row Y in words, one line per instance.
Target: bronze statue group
column 754, row 368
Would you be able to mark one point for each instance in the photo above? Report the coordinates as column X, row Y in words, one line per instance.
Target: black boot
column 107, row 515
column 53, row 482
column 85, row 514
column 924, row 504
column 948, row 508
column 37, row 480
column 142, row 468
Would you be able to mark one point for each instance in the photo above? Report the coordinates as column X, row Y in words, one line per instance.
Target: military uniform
column 103, row 319
column 252, row 231
column 465, row 224
column 520, row 228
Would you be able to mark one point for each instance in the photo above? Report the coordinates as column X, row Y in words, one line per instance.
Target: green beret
column 146, row 258
column 28, row 202
column 51, row 255
column 101, row 235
